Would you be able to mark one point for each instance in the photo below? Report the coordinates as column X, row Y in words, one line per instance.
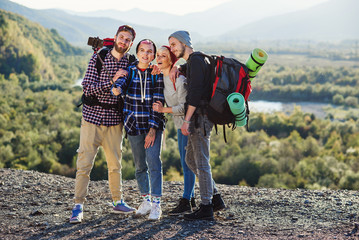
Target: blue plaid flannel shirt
column 139, row 116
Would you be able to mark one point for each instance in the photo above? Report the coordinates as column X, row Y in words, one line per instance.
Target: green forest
column 40, row 120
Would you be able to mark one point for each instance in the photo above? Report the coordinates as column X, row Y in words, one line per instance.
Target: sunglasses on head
column 128, row 29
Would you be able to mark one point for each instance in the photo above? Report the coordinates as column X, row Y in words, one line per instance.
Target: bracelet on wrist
column 187, row 121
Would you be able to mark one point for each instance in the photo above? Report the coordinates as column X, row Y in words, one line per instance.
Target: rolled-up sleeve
column 181, row 89
column 155, row 117
column 123, row 82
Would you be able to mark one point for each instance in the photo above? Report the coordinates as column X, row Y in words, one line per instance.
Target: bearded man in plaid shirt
column 102, row 124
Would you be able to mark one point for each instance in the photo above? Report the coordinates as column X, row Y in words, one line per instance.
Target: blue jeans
column 148, row 164
column 197, row 156
column 188, row 175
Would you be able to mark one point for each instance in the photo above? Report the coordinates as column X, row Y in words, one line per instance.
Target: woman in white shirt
column 175, row 96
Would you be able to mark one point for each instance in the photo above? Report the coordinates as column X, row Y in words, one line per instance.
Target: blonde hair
column 173, row 59
column 167, row 53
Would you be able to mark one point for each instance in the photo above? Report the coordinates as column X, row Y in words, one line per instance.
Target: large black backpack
column 228, row 75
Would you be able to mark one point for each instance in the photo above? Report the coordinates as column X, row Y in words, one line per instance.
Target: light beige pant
column 91, row 138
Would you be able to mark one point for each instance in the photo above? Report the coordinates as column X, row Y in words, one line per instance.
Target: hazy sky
column 178, row 7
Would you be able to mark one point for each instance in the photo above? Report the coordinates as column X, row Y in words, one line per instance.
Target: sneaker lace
column 76, row 212
column 119, row 203
column 143, row 204
column 181, row 203
column 156, row 208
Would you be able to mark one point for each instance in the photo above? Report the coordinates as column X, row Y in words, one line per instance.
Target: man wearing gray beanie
column 182, row 36
column 196, row 124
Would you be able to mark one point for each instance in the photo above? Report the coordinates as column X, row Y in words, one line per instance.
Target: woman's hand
column 157, row 106
column 150, row 138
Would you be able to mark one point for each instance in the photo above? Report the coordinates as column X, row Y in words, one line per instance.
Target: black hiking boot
column 218, row 203
column 204, row 212
column 184, row 206
column 193, row 204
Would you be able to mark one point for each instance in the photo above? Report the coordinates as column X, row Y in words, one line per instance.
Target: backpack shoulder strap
column 131, row 58
column 247, row 113
column 154, row 79
column 102, row 54
column 211, row 58
column 199, row 53
column 224, row 133
column 131, row 75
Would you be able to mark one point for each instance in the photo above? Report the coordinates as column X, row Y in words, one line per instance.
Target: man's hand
column 184, row 128
column 116, row 91
column 174, row 73
column 150, row 138
column 155, row 70
column 120, row 73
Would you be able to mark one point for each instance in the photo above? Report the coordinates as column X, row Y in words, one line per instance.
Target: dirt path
column 37, row 206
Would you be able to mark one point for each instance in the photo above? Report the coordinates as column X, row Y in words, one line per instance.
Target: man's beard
column 120, row 49
column 181, row 54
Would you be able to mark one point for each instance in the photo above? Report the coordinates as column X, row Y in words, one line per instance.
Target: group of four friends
column 146, row 98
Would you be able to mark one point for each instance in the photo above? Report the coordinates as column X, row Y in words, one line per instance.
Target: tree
column 351, row 101
column 338, row 99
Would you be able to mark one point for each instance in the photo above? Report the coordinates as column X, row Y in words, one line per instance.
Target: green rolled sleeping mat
column 236, row 104
column 255, row 61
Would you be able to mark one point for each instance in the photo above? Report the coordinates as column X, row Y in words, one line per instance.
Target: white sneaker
column 144, row 208
column 156, row 212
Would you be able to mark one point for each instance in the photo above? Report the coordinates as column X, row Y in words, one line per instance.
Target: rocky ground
column 37, row 206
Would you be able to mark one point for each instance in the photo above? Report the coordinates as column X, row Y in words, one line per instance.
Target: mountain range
column 217, row 20
column 235, row 20
column 76, row 29
column 331, row 20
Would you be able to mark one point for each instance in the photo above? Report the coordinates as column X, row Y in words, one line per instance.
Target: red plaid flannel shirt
column 100, row 86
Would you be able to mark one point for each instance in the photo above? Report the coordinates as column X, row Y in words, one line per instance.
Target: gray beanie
column 182, row 36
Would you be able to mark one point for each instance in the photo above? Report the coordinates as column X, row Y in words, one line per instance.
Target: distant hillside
column 332, row 20
column 27, row 47
column 39, row 120
column 77, row 29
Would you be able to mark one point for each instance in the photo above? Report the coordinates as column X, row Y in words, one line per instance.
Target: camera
column 95, row 42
